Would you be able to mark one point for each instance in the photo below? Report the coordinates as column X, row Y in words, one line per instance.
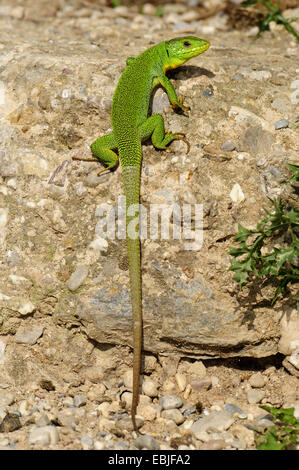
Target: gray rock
column 169, row 402
column 80, row 400
column 193, row 319
column 12, row 258
column 78, row 277
column 276, row 173
column 202, row 384
column 215, row 421
column 234, row 409
column 257, row 140
column 263, row 422
column 189, row 411
column 282, row 124
column 237, row 76
column 28, row 334
column 228, row 146
column 255, row 396
column 208, row 93
column 42, row 421
column 87, row 442
column 146, row 442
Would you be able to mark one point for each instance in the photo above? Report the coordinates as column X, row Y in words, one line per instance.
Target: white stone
column 26, row 308
column 78, row 277
column 44, row 436
column 3, row 224
column 181, row 380
column 128, row 379
column 2, row 351
column 236, row 193
column 289, row 333
column 149, row 388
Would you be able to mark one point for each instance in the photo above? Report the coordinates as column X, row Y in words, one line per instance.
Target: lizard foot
column 180, row 105
column 182, row 137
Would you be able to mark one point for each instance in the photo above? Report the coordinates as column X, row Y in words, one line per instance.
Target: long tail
column 131, row 183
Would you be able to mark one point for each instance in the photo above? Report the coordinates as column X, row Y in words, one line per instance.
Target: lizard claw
column 183, row 138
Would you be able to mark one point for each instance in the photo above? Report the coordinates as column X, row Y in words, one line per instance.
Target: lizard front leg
column 175, row 102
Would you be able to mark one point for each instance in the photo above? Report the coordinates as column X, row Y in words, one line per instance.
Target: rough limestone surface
column 57, row 88
column 65, row 314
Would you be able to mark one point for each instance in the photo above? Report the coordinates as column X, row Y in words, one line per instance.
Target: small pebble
column 99, row 445
column 128, row 379
column 198, row 368
column 202, row 384
column 236, row 193
column 215, row 421
column 80, row 400
column 228, row 146
column 255, row 396
column 28, row 334
column 181, row 381
column 233, row 409
column 243, row 434
column 43, row 420
column 189, row 411
column 87, row 442
column 146, row 442
column 173, row 414
column 43, row 436
column 169, row 402
column 77, row 278
column 257, row 380
column 282, row 124
column 207, row 93
column 213, row 444
column 147, row 411
column 149, row 388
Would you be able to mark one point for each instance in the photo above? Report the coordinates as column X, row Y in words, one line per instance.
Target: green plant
column 115, row 3
column 283, row 434
column 159, row 11
column 277, row 234
column 274, row 14
column 295, row 169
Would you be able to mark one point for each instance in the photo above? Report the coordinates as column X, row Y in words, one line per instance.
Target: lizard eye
column 187, row 43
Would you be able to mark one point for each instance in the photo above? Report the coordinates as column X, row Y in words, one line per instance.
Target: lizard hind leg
column 154, row 127
column 103, row 149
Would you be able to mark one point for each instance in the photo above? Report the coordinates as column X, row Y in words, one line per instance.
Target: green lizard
column 131, row 125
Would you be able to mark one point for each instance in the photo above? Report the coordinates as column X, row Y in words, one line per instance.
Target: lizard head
column 179, row 50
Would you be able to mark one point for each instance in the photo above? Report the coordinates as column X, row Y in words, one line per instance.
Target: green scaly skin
column 131, row 125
